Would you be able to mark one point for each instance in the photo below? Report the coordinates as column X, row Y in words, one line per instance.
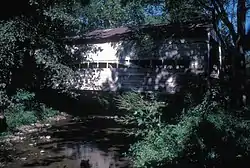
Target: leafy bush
column 46, row 112
column 203, row 135
column 23, row 110
column 18, row 115
column 141, row 110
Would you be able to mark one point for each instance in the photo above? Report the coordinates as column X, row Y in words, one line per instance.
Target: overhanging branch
column 215, row 27
column 219, row 8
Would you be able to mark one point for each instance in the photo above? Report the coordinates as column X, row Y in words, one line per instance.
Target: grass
column 18, row 115
column 25, row 110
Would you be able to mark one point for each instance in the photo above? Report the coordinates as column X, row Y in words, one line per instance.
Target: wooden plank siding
column 107, row 71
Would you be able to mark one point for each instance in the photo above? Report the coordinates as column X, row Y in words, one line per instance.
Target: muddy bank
column 65, row 143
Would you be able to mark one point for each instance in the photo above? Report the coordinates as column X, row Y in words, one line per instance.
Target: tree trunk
column 238, row 80
column 240, row 75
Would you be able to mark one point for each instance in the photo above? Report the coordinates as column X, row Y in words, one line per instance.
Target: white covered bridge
column 148, row 58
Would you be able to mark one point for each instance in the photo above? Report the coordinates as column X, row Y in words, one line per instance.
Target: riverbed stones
column 48, row 137
column 23, row 158
column 42, row 151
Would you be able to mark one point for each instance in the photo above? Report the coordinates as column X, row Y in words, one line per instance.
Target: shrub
column 203, row 135
column 143, row 111
column 24, row 110
column 46, row 112
column 17, row 115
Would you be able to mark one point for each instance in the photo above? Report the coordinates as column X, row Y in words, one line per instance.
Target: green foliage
column 187, row 10
column 104, row 101
column 46, row 112
column 174, row 10
column 23, row 96
column 111, row 13
column 165, row 143
column 140, row 111
column 18, row 115
column 32, row 53
column 24, row 110
column 202, row 135
column 20, row 111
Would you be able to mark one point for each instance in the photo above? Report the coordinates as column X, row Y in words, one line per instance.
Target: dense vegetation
column 32, row 52
column 209, row 131
column 203, row 134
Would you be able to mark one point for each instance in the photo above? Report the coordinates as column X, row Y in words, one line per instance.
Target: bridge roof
column 187, row 30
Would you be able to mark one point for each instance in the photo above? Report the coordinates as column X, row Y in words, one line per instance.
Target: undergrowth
column 204, row 135
column 25, row 110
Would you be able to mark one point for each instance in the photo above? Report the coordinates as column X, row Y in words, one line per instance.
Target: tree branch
column 219, row 8
column 215, row 27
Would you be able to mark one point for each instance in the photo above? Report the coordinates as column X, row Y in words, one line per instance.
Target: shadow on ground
column 86, row 103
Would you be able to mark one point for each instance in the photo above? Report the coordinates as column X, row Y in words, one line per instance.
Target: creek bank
column 67, row 141
column 8, row 151
column 21, row 133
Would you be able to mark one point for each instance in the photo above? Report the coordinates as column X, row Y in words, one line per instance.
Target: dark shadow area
column 86, row 103
column 6, row 153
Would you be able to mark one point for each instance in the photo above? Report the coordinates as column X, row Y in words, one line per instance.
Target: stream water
column 97, row 140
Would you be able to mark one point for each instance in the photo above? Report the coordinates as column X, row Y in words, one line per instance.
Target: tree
column 32, row 50
column 231, row 29
column 32, row 35
column 112, row 13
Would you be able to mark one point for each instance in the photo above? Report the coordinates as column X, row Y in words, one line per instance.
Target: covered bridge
column 146, row 58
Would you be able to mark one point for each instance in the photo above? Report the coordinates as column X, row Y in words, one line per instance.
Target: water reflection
column 96, row 157
column 71, row 142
